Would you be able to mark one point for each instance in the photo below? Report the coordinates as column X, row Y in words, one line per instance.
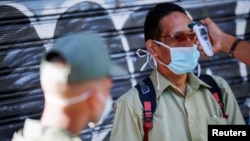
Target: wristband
column 233, row 47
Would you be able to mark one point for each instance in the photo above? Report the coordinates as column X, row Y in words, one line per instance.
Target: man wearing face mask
column 76, row 79
column 184, row 104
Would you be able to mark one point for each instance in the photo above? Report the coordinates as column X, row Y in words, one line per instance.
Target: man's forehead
column 175, row 22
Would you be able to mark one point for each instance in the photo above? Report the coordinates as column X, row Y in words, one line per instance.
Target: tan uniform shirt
column 177, row 117
column 34, row 131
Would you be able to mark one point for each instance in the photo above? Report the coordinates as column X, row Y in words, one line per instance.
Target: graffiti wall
column 28, row 29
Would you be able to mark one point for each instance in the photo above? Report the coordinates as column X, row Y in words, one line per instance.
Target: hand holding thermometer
column 202, row 35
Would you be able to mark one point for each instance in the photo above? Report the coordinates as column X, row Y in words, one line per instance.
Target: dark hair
column 54, row 57
column 152, row 28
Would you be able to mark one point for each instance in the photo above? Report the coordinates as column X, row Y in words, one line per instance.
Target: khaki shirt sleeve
column 230, row 103
column 126, row 126
column 34, row 131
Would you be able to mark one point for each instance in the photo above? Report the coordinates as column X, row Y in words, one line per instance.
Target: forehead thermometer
column 202, row 35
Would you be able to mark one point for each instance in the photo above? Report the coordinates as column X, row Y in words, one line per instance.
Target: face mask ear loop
column 157, row 75
column 199, row 66
column 149, row 58
column 199, row 70
column 158, row 82
column 100, row 93
column 153, row 66
column 146, row 54
column 67, row 101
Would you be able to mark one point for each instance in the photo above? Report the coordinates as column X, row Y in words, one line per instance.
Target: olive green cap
column 87, row 57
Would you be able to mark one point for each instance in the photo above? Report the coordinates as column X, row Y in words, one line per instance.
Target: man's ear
column 150, row 45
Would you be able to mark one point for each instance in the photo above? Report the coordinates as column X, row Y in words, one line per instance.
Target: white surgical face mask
column 183, row 59
column 67, row 101
column 149, row 57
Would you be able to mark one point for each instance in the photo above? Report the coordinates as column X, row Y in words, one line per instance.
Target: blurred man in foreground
column 76, row 80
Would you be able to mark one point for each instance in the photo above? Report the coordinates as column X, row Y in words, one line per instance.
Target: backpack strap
column 215, row 91
column 148, row 99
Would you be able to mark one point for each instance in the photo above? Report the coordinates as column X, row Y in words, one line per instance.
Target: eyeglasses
column 181, row 36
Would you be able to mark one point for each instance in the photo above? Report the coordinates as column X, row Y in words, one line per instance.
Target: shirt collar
column 193, row 81
column 163, row 82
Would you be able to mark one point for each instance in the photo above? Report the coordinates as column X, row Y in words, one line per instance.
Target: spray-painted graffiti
column 28, row 29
